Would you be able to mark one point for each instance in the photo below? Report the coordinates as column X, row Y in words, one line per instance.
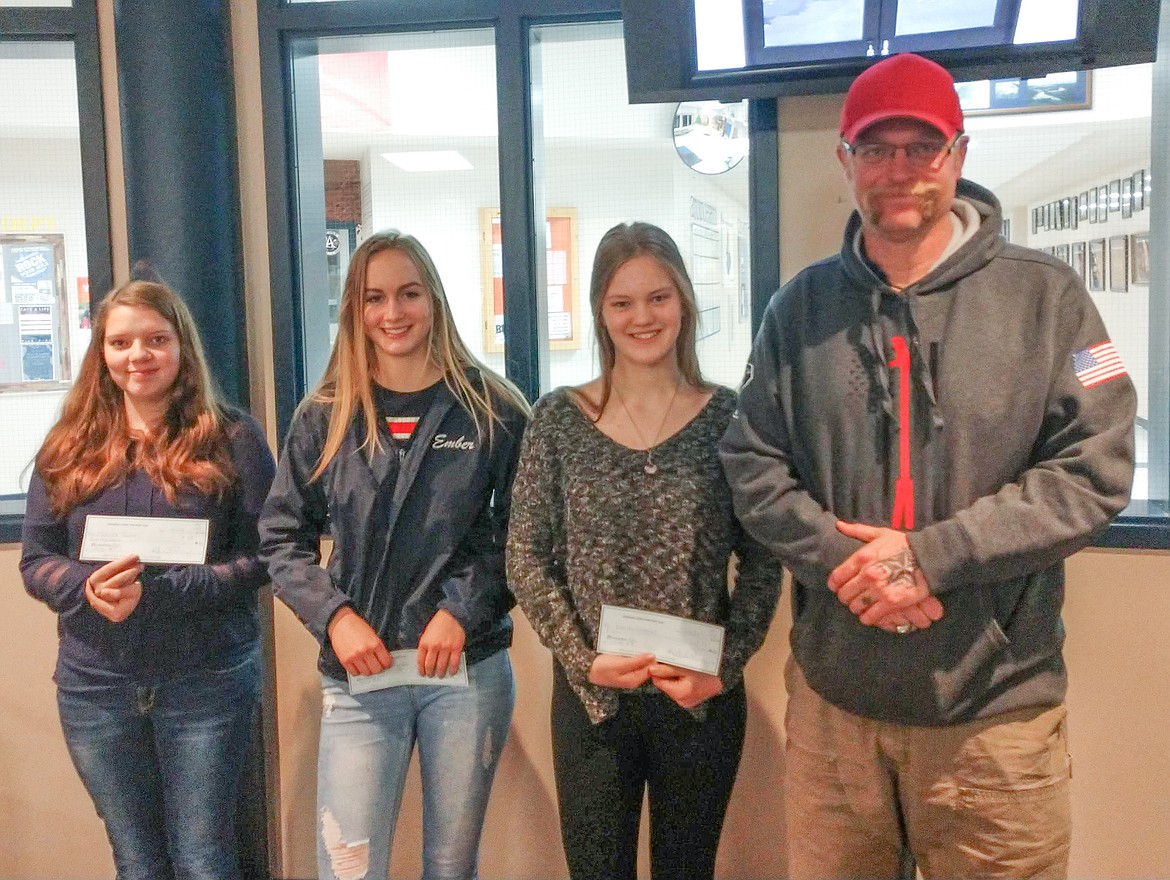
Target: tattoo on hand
column 899, row 567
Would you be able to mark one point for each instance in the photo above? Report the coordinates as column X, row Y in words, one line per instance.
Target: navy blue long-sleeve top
column 410, row 535
column 190, row 616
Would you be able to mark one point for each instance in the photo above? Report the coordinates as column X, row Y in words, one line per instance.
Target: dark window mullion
column 522, row 351
column 94, row 182
column 40, row 23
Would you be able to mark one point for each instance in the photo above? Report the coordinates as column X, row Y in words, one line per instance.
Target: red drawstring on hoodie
column 903, row 513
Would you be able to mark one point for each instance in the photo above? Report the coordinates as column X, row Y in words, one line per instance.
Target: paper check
column 155, row 540
column 405, row 671
column 691, row 644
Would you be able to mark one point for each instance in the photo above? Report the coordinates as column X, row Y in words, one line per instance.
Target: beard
column 927, row 202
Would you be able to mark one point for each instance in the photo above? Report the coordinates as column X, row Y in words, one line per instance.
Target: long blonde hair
column 347, row 384
column 617, row 247
column 90, row 447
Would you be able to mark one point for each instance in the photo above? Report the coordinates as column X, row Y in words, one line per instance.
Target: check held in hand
column 404, row 671
column 155, row 540
column 678, row 641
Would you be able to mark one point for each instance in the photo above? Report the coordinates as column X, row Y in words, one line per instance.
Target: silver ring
column 903, row 628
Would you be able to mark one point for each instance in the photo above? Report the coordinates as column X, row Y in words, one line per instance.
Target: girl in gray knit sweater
column 620, row 500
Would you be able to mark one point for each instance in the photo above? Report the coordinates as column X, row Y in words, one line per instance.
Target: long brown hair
column 90, row 448
column 347, row 384
column 617, row 247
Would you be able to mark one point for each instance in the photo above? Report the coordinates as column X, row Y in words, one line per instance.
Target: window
column 607, row 161
column 402, row 135
column 54, row 237
column 1079, row 184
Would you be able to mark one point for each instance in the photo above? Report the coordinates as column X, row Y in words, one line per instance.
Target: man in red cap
column 932, row 420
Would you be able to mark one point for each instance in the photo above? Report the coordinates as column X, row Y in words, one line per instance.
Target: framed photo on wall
column 1139, row 258
column 1062, row 253
column 1127, row 197
column 1067, row 90
column 1078, row 258
column 1083, row 207
column 1119, row 263
column 1139, row 190
column 1114, row 204
column 1095, row 279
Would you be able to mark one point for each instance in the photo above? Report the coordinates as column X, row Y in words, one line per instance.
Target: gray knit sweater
column 590, row 527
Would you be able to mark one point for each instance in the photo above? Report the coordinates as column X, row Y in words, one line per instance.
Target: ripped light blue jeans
column 366, row 743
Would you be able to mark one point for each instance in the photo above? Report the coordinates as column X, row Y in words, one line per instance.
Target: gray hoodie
column 1017, row 463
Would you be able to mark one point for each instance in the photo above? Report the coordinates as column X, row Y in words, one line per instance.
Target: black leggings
column 602, row 771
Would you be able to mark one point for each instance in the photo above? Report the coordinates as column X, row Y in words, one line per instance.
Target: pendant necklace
column 649, row 467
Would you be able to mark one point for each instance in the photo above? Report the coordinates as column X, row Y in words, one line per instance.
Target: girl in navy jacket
column 404, row 456
column 157, row 676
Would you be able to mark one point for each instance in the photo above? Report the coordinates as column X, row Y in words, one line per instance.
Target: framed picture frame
column 1139, row 190
column 1078, row 256
column 1114, row 196
column 1127, row 197
column 1091, row 208
column 1071, row 90
column 1119, row 263
column 1005, row 229
column 564, row 322
column 1068, row 213
column 1139, row 258
column 1062, row 253
column 1035, row 220
column 1095, row 273
column 1103, row 201
column 1083, row 206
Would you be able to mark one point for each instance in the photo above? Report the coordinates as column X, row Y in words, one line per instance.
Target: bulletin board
column 34, row 327
column 564, row 330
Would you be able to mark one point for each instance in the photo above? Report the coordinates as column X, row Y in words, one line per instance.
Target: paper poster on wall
column 31, row 276
column 34, row 305
column 556, row 263
column 560, row 325
column 556, row 298
column 36, row 343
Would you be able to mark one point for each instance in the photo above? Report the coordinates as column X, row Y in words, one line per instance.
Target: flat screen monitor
column 732, row 49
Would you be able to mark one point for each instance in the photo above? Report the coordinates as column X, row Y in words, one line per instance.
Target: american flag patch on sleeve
column 1098, row 363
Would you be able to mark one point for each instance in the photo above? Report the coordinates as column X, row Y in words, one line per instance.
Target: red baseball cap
column 904, row 85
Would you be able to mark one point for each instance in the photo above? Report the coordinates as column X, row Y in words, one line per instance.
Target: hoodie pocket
column 954, row 687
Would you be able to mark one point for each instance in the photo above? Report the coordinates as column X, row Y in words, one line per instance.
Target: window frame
column 77, row 24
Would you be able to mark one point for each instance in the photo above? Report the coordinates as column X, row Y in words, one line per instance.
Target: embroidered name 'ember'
column 441, row 441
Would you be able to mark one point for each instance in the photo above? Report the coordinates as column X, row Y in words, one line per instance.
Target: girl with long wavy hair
column 403, row 455
column 620, row 500
column 157, row 677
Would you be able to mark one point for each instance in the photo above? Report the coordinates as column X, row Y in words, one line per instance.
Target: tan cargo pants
column 989, row 798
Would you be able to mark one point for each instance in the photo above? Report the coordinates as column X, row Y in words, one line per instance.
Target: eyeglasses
column 919, row 154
